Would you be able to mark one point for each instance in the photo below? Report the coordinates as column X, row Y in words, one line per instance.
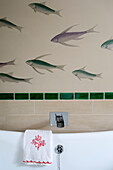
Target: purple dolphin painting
column 67, row 36
column 7, row 63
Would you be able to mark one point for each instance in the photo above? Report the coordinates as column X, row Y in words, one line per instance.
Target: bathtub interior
column 82, row 151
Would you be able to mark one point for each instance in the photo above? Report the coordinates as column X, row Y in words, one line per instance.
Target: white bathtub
column 82, row 151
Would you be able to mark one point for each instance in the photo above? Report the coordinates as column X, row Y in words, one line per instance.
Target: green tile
column 36, row 96
column 21, row 96
column 51, row 96
column 109, row 95
column 67, row 96
column 96, row 95
column 6, row 96
column 81, row 96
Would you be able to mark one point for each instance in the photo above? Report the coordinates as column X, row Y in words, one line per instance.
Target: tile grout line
column 14, row 96
column 92, row 107
column 103, row 95
column 74, row 96
column 89, row 96
column 58, row 96
column 6, row 120
column 34, row 107
column 43, row 96
column 29, row 96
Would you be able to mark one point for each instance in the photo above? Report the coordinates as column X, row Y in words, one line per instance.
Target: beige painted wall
column 84, row 116
column 34, row 40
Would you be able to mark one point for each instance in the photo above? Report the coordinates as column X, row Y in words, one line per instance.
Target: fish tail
column 92, row 30
column 61, row 67
column 99, row 75
column 19, row 28
column 58, row 13
column 11, row 62
column 28, row 80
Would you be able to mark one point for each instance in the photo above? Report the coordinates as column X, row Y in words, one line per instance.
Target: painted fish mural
column 67, row 36
column 7, row 63
column 36, row 63
column 5, row 23
column 82, row 74
column 108, row 44
column 41, row 7
column 9, row 78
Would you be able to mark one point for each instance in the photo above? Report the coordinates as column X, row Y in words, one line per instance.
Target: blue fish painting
column 36, row 63
column 67, row 36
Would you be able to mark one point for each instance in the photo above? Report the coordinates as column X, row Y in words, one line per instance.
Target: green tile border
column 6, row 96
column 58, row 96
column 21, row 96
column 82, row 96
column 66, row 96
column 36, row 96
column 108, row 95
column 96, row 96
column 51, row 96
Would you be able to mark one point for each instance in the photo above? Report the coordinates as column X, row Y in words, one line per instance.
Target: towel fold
column 38, row 147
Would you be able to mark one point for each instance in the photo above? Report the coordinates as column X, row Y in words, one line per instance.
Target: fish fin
column 69, row 45
column 45, row 13
column 99, row 75
column 10, row 73
column 79, row 78
column 43, row 3
column 3, row 80
column 4, row 18
column 61, row 67
column 78, row 38
column 10, row 27
column 28, row 80
column 68, row 28
column 92, row 30
column 19, row 28
column 41, row 56
column 109, row 48
column 58, row 12
column 83, row 68
column 49, row 70
column 11, row 62
column 34, row 9
column 37, row 71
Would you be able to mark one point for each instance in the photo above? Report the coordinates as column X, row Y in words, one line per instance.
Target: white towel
column 38, row 147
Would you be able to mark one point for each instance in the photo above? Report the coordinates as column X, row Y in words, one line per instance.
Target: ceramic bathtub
column 82, row 151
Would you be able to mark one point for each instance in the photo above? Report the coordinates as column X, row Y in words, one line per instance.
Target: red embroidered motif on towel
column 38, row 162
column 37, row 142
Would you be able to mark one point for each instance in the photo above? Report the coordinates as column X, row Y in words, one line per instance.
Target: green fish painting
column 82, row 74
column 5, row 23
column 36, row 63
column 108, row 44
column 9, row 78
column 41, row 7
